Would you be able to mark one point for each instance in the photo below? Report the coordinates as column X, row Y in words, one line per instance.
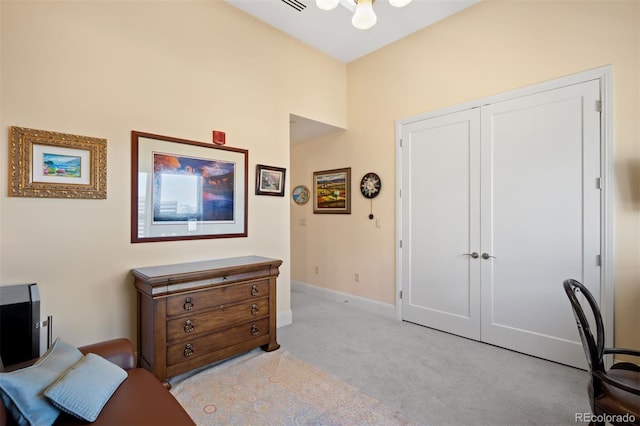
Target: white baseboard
column 284, row 318
column 373, row 306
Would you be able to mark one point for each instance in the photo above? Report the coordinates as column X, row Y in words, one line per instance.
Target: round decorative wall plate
column 370, row 185
column 300, row 194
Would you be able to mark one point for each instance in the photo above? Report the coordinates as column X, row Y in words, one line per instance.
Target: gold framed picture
column 48, row 164
column 332, row 191
column 300, row 195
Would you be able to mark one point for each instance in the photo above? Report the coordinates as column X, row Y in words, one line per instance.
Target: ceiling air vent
column 295, row 4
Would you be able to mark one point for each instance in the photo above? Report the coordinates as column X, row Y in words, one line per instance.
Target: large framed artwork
column 56, row 165
column 186, row 190
column 332, row 191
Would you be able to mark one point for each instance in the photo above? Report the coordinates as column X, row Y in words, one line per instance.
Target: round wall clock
column 300, row 194
column 370, row 185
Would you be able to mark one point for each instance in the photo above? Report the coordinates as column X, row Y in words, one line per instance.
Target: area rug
column 275, row 388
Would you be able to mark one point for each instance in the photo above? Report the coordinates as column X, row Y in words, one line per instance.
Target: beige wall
column 185, row 68
column 182, row 69
column 492, row 47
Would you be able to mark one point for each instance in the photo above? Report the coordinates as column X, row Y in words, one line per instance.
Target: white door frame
column 605, row 76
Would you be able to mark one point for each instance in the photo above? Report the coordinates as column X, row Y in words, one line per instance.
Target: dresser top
column 161, row 272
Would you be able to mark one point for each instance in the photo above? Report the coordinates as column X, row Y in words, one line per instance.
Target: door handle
column 475, row 254
column 487, row 256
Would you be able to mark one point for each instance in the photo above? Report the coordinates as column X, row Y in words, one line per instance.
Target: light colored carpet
column 275, row 388
column 434, row 377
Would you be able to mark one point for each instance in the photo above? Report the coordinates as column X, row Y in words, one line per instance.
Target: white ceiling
column 302, row 129
column 331, row 32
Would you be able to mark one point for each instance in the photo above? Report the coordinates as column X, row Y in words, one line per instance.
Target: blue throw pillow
column 86, row 387
column 22, row 391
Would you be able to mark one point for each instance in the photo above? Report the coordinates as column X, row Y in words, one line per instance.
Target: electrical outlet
column 357, row 277
column 317, row 270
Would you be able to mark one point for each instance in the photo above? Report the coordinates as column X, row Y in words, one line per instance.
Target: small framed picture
column 332, row 191
column 300, row 195
column 56, row 165
column 270, row 180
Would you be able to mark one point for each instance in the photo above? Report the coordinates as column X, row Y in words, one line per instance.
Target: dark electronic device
column 19, row 323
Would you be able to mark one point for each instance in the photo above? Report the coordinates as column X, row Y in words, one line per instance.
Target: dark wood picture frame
column 186, row 190
column 270, row 180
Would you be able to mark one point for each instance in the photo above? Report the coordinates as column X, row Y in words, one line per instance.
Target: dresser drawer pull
column 188, row 326
column 254, row 309
column 255, row 330
column 188, row 350
column 254, row 290
column 187, row 304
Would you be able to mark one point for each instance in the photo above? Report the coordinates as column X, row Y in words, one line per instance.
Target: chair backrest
column 593, row 345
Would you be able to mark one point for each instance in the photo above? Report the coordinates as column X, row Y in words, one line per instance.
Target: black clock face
column 370, row 185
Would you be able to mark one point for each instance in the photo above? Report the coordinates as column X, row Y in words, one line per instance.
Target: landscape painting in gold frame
column 332, row 191
column 48, row 164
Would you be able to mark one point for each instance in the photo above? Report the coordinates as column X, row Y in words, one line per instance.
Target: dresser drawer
column 195, row 325
column 191, row 349
column 218, row 296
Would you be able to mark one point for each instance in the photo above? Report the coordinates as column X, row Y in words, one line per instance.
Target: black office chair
column 614, row 394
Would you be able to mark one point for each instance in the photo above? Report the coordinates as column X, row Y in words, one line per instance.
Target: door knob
column 475, row 254
column 487, row 256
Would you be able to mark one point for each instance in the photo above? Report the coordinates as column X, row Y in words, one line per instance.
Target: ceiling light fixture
column 364, row 16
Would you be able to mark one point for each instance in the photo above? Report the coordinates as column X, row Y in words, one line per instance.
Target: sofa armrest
column 119, row 351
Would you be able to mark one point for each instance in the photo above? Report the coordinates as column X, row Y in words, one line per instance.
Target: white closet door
column 540, row 218
column 515, row 181
column 441, row 222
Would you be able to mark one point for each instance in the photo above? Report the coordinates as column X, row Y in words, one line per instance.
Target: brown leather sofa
column 140, row 400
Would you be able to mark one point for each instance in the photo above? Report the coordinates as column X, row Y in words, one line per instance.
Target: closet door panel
column 540, row 217
column 440, row 198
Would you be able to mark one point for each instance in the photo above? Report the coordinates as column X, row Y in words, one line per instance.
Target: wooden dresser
column 193, row 314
